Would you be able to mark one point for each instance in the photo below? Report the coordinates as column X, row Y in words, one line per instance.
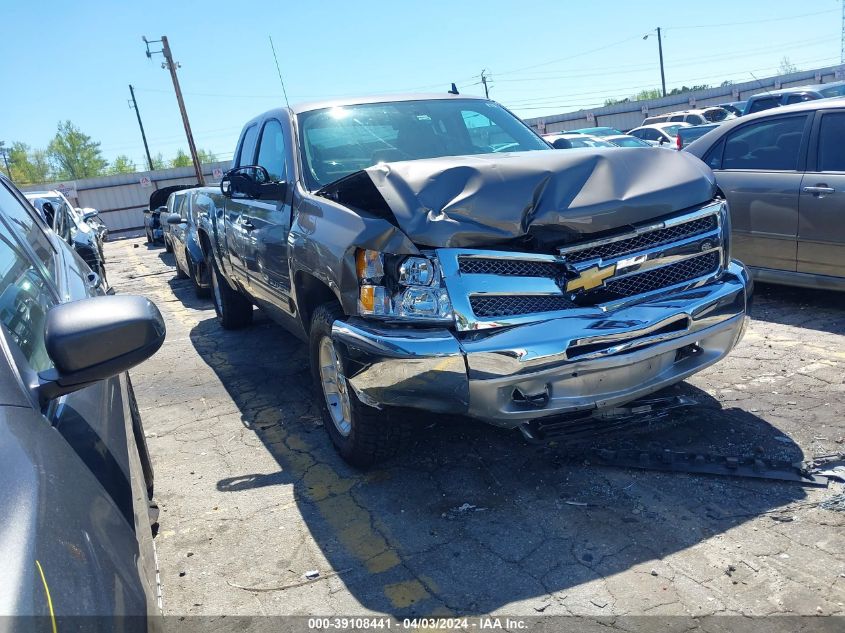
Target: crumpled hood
column 549, row 197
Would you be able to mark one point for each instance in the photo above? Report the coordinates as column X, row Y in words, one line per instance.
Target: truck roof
column 346, row 101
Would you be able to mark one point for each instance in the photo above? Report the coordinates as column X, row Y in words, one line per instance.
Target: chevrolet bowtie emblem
column 590, row 278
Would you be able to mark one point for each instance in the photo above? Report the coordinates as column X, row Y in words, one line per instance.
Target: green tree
column 206, row 156
column 122, row 164
column 182, row 160
column 787, row 67
column 75, row 154
column 159, row 162
column 28, row 166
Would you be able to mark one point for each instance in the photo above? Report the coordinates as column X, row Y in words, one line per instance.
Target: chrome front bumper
column 551, row 367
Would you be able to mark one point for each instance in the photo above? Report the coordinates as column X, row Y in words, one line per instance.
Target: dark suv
column 77, row 482
column 797, row 94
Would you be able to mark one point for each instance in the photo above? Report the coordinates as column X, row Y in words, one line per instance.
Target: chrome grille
column 508, row 305
column 509, row 267
column 643, row 241
column 671, row 275
column 490, row 288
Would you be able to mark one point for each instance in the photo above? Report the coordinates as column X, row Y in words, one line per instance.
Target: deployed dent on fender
column 545, row 198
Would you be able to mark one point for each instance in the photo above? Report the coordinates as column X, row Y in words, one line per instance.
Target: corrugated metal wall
column 626, row 116
column 121, row 199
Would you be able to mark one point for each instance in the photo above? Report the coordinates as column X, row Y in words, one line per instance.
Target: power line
column 765, row 21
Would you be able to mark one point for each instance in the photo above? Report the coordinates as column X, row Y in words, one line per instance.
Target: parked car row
column 80, row 228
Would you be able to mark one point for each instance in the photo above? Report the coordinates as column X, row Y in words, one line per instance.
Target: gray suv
column 783, row 173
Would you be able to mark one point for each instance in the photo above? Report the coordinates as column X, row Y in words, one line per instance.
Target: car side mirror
column 97, row 338
column 93, row 213
column 175, row 218
column 662, row 141
column 252, row 181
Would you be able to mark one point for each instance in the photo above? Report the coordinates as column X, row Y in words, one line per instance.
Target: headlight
column 401, row 287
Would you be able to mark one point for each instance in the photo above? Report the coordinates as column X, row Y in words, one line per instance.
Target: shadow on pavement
column 822, row 310
column 470, row 518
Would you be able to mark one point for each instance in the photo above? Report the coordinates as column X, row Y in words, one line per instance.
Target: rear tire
column 363, row 435
column 234, row 311
column 148, row 236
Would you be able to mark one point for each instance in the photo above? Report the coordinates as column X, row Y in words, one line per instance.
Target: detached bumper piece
column 587, row 362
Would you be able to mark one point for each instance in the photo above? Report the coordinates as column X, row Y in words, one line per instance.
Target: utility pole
column 134, row 106
column 660, row 51
column 4, row 151
column 484, row 81
column 170, row 65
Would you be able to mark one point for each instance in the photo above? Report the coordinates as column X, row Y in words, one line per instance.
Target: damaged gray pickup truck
column 437, row 255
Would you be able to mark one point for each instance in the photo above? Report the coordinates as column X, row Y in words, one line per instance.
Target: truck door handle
column 819, row 189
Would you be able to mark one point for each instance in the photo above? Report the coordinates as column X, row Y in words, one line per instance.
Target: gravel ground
column 471, row 519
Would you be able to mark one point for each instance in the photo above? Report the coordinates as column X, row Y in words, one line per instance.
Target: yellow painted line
column 49, row 600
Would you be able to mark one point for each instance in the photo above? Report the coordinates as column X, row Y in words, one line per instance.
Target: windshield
column 672, row 130
column 834, row 91
column 629, row 141
column 717, row 114
column 336, row 142
column 588, row 142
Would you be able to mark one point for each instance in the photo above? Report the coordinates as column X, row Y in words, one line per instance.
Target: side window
column 247, row 153
column 759, row 105
column 183, row 207
column 831, row 156
column 25, row 298
column 766, row 145
column 677, row 117
column 713, row 158
column 695, row 119
column 271, row 152
column 21, row 215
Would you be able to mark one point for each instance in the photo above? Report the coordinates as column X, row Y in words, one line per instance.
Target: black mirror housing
column 94, row 339
column 253, row 182
column 175, row 218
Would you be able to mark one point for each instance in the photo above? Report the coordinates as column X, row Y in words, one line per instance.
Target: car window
column 247, row 153
column 833, row 91
column 713, row 157
column 765, row 103
column 765, row 145
column 25, row 298
column 831, row 154
column 22, row 216
column 696, row 119
column 271, row 151
column 672, row 130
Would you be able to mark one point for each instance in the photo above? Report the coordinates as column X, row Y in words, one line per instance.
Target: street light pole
column 660, row 51
column 134, row 106
column 4, row 151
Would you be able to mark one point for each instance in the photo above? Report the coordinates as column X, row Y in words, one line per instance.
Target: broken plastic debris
column 312, row 574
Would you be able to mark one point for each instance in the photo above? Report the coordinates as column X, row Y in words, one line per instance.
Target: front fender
column 323, row 239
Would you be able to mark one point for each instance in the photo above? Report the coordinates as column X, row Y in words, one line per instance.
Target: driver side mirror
column 94, row 339
column 252, row 182
column 662, row 141
column 175, row 218
column 91, row 213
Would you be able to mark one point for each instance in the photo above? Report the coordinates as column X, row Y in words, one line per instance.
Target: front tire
column 363, row 435
column 201, row 292
column 167, row 245
column 234, row 311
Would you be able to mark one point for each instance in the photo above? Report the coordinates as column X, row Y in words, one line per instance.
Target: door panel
column 760, row 172
column 821, row 229
column 764, row 216
column 267, row 223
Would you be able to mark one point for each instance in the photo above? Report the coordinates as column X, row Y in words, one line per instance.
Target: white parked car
column 572, row 140
column 659, row 134
column 701, row 116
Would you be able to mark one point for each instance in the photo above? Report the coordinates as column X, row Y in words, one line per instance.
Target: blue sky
column 64, row 60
